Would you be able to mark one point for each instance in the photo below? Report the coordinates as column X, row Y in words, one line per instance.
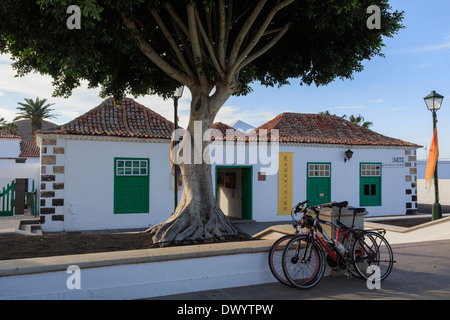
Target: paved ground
column 421, row 272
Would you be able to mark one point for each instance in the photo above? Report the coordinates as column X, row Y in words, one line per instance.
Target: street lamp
column 434, row 102
column 348, row 155
column 176, row 95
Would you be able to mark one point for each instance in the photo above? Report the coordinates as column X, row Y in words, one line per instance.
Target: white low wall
column 140, row 273
column 426, row 196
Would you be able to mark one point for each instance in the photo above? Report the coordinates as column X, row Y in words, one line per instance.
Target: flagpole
column 436, row 210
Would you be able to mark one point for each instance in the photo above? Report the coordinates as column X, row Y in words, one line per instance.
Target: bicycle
column 360, row 252
column 276, row 252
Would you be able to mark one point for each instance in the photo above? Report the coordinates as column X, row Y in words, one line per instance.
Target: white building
column 110, row 169
column 426, row 194
column 380, row 176
column 107, row 169
column 19, row 166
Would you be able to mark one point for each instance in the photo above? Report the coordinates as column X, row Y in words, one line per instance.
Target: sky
column 389, row 91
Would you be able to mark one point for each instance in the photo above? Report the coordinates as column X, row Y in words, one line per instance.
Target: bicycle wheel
column 276, row 259
column 372, row 250
column 303, row 262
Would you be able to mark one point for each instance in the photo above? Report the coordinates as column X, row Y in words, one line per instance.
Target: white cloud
column 442, row 46
column 422, row 65
column 398, row 109
column 8, row 114
column 347, row 107
column 82, row 99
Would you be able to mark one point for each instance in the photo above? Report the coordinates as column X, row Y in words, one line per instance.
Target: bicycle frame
column 328, row 245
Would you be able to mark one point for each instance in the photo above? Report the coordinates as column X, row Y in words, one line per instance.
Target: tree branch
column 258, row 35
column 244, row 31
column 173, row 44
column 222, row 32
column 153, row 55
column 195, row 43
column 264, row 49
column 177, row 19
column 209, row 46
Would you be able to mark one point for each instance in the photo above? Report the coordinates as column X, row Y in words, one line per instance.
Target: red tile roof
column 28, row 150
column 129, row 119
column 326, row 129
column 4, row 135
column 237, row 135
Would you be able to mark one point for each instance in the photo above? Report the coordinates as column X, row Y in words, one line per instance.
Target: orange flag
column 432, row 159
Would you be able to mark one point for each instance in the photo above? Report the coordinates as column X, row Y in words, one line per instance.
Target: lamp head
column 433, row 101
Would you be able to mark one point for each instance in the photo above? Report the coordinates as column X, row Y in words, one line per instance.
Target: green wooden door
column 131, row 185
column 370, row 184
column 318, row 188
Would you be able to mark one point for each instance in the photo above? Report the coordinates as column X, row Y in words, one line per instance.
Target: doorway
column 318, row 183
column 234, row 191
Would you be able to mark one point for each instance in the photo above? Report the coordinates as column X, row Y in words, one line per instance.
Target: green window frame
column 370, row 177
column 131, row 185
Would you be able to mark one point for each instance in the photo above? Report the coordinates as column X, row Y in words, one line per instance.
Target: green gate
column 7, row 200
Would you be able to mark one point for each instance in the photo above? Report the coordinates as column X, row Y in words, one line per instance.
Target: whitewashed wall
column 9, row 148
column 426, row 195
column 88, row 191
column 345, row 179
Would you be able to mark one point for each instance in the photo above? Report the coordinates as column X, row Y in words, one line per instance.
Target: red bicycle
column 362, row 253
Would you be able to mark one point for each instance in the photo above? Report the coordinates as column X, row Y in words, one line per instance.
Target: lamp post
column 176, row 95
column 434, row 102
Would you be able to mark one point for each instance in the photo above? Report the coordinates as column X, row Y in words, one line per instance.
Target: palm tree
column 359, row 120
column 36, row 111
column 8, row 127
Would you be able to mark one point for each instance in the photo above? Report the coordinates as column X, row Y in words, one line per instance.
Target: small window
column 370, row 189
column 131, row 168
column 370, row 170
column 319, row 170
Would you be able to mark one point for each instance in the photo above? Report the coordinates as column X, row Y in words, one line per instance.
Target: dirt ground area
column 21, row 247
column 407, row 223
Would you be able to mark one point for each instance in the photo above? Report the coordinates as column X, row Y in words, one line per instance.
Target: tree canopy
column 217, row 48
column 192, row 42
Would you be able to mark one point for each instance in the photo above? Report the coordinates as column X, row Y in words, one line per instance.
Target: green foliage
column 35, row 110
column 327, row 39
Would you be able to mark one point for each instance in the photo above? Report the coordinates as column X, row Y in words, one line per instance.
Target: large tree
column 216, row 48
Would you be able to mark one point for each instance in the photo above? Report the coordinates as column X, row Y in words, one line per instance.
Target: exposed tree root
column 187, row 225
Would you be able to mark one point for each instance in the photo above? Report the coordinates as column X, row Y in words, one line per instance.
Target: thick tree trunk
column 197, row 216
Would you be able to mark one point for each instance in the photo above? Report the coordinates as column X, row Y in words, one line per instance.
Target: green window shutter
column 131, row 185
column 370, row 184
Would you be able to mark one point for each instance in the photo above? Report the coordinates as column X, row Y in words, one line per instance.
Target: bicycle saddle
column 357, row 210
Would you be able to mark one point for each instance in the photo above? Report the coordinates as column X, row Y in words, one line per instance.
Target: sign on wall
column 285, row 183
column 396, row 162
